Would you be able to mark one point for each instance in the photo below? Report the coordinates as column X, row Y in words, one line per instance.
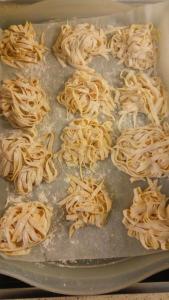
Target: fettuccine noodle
column 147, row 219
column 23, row 226
column 87, row 203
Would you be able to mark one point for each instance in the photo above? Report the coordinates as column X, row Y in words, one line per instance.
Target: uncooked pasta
column 23, row 226
column 27, row 160
column 143, row 152
column 23, row 101
column 87, row 203
column 142, row 93
column 19, row 46
column 147, row 219
column 85, row 141
column 135, row 45
column 87, row 93
column 77, row 45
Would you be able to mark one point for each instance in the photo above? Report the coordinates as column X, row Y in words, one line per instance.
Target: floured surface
column 89, row 242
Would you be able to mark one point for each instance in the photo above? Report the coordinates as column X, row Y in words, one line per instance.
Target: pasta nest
column 18, row 46
column 135, row 45
column 87, row 93
column 87, row 203
column 27, row 161
column 143, row 152
column 77, row 45
column 85, row 141
column 23, row 102
column 147, row 219
column 23, row 226
column 142, row 93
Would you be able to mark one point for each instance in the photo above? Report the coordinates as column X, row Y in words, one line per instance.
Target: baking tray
column 84, row 276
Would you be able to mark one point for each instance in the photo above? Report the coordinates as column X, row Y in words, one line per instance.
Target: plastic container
column 90, row 276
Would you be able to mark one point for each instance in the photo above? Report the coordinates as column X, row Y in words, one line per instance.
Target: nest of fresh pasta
column 23, row 226
column 23, row 102
column 147, row 219
column 142, row 93
column 135, row 45
column 77, row 45
column 84, row 142
column 19, row 46
column 143, row 152
column 87, row 93
column 87, row 203
column 27, row 160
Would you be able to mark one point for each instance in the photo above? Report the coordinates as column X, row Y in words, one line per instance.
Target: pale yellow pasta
column 19, row 46
column 135, row 45
column 143, row 152
column 142, row 93
column 147, row 219
column 77, row 45
column 85, row 141
column 23, row 226
column 23, row 102
column 27, row 160
column 87, row 203
column 87, row 93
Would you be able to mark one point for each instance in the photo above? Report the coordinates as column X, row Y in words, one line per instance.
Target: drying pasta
column 23, row 102
column 147, row 219
column 77, row 45
column 135, row 45
column 85, row 141
column 87, row 93
column 143, row 152
column 142, row 93
column 26, row 160
column 87, row 203
column 23, row 226
column 19, row 46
